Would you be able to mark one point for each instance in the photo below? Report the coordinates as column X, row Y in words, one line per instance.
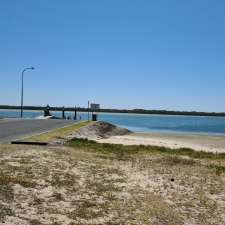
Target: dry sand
column 198, row 142
column 71, row 186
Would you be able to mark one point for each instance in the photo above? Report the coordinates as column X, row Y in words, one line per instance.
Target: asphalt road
column 15, row 129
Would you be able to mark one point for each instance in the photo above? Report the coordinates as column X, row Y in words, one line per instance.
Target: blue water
column 146, row 123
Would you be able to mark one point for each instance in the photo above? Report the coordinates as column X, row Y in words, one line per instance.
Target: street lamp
column 29, row 68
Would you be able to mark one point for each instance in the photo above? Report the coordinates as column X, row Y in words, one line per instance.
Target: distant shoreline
column 123, row 111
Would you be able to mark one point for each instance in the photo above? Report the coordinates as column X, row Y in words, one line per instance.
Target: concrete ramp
column 13, row 129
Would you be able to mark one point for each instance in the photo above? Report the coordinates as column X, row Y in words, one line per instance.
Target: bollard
column 75, row 114
column 63, row 113
column 94, row 117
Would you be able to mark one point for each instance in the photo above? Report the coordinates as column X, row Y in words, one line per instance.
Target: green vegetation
column 122, row 151
column 218, row 169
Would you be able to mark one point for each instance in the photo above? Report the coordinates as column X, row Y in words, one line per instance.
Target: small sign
column 95, row 106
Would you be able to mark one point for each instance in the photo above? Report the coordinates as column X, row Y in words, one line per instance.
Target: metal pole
column 88, row 111
column 30, row 68
column 21, row 113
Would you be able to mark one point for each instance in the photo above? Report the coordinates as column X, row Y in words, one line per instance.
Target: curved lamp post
column 29, row 68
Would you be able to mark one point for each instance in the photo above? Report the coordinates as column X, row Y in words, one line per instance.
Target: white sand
column 198, row 142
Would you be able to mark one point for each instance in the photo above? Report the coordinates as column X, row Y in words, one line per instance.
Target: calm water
column 146, row 123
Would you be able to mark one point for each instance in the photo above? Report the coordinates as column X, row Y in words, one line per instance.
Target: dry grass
column 58, row 134
column 23, row 181
column 83, row 185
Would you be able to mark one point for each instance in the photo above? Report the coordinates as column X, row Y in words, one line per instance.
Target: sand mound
column 100, row 129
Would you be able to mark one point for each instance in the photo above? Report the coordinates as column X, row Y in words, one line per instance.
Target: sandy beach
column 197, row 142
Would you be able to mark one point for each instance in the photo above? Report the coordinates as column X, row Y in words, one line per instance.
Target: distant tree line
column 135, row 111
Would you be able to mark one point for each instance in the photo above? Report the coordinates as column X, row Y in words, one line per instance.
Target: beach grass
column 9, row 179
column 123, row 151
column 90, row 183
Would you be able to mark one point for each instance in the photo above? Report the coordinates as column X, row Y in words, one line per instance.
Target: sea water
column 144, row 123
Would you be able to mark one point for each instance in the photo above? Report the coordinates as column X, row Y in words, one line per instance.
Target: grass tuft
column 122, row 151
column 218, row 169
column 25, row 182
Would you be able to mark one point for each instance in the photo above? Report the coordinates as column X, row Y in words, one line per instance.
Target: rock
column 100, row 129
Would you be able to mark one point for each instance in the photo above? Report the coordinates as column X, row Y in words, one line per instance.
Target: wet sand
column 197, row 142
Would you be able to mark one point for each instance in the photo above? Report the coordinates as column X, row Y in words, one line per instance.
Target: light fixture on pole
column 29, row 68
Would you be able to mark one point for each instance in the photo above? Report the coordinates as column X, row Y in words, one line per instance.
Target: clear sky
column 153, row 54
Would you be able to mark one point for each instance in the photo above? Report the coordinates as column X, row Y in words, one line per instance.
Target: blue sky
column 153, row 54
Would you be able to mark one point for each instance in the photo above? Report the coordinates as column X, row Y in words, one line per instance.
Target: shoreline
column 198, row 142
column 123, row 113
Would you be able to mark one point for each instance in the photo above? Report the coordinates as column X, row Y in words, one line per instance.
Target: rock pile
column 100, row 130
